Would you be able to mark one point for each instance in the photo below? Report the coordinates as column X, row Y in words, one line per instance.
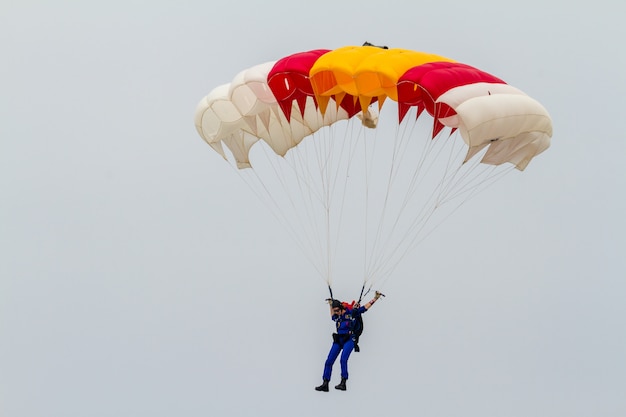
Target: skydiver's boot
column 342, row 385
column 323, row 387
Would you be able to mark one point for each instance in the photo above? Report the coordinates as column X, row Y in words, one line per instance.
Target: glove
column 377, row 296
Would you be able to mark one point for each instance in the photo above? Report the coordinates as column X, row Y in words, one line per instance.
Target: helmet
column 338, row 304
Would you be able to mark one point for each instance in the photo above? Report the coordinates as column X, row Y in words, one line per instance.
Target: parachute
column 316, row 136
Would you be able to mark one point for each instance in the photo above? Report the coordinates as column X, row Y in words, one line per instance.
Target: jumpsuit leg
column 347, row 350
column 332, row 356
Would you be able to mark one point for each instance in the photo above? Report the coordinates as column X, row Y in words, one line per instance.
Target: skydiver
column 343, row 340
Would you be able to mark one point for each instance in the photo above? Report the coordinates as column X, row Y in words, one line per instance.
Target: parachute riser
column 361, row 295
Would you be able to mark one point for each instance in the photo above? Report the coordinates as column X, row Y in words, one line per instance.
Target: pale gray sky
column 140, row 277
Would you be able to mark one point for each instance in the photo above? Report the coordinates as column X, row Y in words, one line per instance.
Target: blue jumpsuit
column 343, row 343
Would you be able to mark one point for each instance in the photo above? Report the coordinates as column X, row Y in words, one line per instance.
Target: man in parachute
column 346, row 318
column 282, row 104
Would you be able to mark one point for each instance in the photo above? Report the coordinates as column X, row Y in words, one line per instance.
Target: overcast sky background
column 140, row 277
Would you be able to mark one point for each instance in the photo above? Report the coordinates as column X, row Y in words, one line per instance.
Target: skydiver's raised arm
column 330, row 305
column 372, row 301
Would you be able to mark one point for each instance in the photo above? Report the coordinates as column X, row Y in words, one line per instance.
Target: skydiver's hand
column 329, row 301
column 378, row 294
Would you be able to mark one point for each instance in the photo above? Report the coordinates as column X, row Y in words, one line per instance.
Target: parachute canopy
column 284, row 101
